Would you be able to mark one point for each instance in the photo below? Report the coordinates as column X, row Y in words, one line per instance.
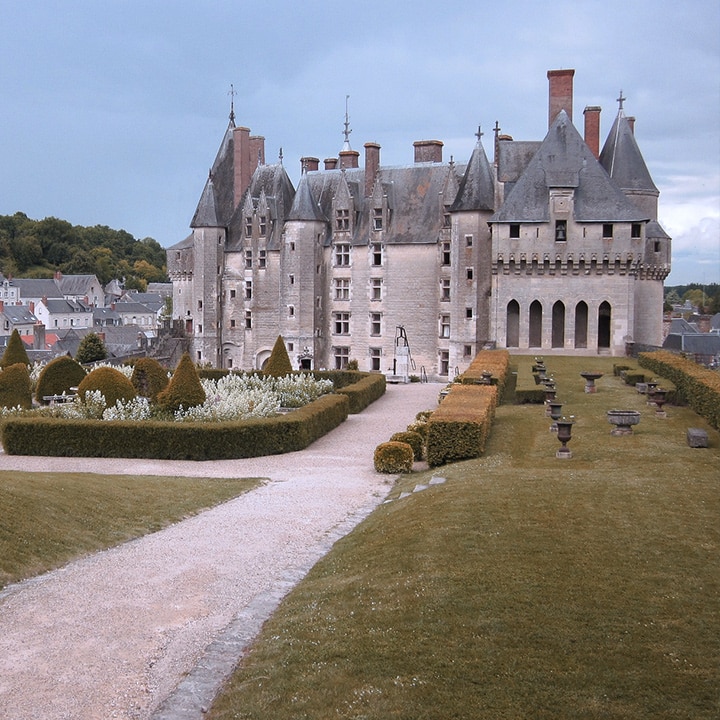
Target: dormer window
column 446, row 216
column 342, row 219
column 377, row 219
column 560, row 230
column 248, row 225
column 263, row 225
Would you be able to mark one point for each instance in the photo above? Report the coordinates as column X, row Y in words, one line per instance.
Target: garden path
column 149, row 629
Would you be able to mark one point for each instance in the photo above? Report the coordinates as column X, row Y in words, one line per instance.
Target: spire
column 347, row 130
column 477, row 190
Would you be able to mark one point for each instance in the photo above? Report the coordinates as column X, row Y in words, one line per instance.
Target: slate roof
column 76, row 284
column 58, row 306
column 19, row 314
column 304, row 206
column 477, row 189
column 206, row 214
column 414, row 197
column 565, row 161
column 37, row 288
column 696, row 343
column 622, row 159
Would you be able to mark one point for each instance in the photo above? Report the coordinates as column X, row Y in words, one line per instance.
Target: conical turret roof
column 477, row 191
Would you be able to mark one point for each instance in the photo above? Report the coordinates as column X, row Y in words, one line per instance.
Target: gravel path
column 149, row 629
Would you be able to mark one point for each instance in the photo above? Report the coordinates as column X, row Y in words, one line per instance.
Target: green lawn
column 48, row 519
column 523, row 587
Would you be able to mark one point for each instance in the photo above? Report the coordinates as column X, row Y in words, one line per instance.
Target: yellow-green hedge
column 460, row 426
column 393, row 457
column 695, row 385
column 496, row 362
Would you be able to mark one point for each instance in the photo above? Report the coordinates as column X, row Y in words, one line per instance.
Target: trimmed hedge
column 110, row 382
column 149, row 377
column 459, row 428
column 15, row 352
column 15, row 386
column 393, row 457
column 414, row 439
column 367, row 388
column 695, row 385
column 58, row 376
column 175, row 441
column 496, row 362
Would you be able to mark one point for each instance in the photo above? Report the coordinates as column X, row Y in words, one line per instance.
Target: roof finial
column 232, row 95
column 479, row 133
column 621, row 100
column 347, row 130
column 280, row 155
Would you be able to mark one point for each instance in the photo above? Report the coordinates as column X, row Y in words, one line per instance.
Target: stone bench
column 697, row 438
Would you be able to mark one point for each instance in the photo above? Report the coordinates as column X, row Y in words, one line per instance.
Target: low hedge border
column 496, row 362
column 527, row 390
column 175, row 441
column 459, row 428
column 695, row 385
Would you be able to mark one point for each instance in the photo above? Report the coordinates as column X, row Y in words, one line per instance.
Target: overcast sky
column 112, row 111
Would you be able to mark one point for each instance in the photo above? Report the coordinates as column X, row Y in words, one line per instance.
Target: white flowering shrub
column 126, row 370
column 298, row 390
column 91, row 407
column 136, row 409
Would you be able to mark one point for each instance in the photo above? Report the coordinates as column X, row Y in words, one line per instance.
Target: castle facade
column 553, row 247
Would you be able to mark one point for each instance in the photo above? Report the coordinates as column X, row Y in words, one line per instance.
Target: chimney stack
column 241, row 162
column 257, row 152
column 309, row 164
column 631, row 123
column 331, row 163
column 38, row 336
column 561, row 93
column 349, row 159
column 592, row 129
column 428, row 151
column 372, row 164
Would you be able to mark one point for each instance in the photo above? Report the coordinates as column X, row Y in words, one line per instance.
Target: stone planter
column 659, row 398
column 623, row 420
column 553, row 410
column 590, row 378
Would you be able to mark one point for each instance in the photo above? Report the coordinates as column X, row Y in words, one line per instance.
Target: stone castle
column 553, row 247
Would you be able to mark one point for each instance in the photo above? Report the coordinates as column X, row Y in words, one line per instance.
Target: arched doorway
column 604, row 321
column 581, row 324
column 535, row 324
column 513, row 324
column 558, row 324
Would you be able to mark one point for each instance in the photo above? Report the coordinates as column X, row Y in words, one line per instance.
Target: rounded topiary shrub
column 110, row 382
column 149, row 378
column 414, row 439
column 58, row 377
column 15, row 351
column 393, row 457
column 184, row 388
column 15, row 387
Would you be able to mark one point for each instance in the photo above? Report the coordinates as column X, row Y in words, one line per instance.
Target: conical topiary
column 15, row 351
column 183, row 389
column 149, row 377
column 15, row 387
column 59, row 376
column 278, row 364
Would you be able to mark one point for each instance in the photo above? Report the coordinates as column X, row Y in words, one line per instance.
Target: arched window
column 581, row 324
column 558, row 324
column 604, row 321
column 513, row 324
column 535, row 324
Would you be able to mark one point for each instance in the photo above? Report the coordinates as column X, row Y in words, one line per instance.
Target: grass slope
column 49, row 519
column 525, row 586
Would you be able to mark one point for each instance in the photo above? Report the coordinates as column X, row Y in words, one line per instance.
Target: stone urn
column 564, row 434
column 623, row 420
column 553, row 410
column 590, row 378
column 649, row 390
column 486, row 378
column 659, row 397
column 550, row 392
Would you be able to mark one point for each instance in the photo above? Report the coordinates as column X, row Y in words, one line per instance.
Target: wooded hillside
column 37, row 248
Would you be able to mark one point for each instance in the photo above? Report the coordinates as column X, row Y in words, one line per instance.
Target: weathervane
column 232, row 95
column 347, row 130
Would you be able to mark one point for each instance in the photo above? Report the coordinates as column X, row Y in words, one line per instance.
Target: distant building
column 554, row 246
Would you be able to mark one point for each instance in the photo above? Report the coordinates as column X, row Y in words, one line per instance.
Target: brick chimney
column 38, row 336
column 58, row 275
column 372, row 164
column 2, row 306
column 631, row 123
column 257, row 152
column 428, row 151
column 309, row 164
column 592, row 128
column 331, row 163
column 242, row 162
column 561, row 93
column 349, row 159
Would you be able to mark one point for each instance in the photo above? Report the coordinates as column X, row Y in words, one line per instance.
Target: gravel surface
column 149, row 629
